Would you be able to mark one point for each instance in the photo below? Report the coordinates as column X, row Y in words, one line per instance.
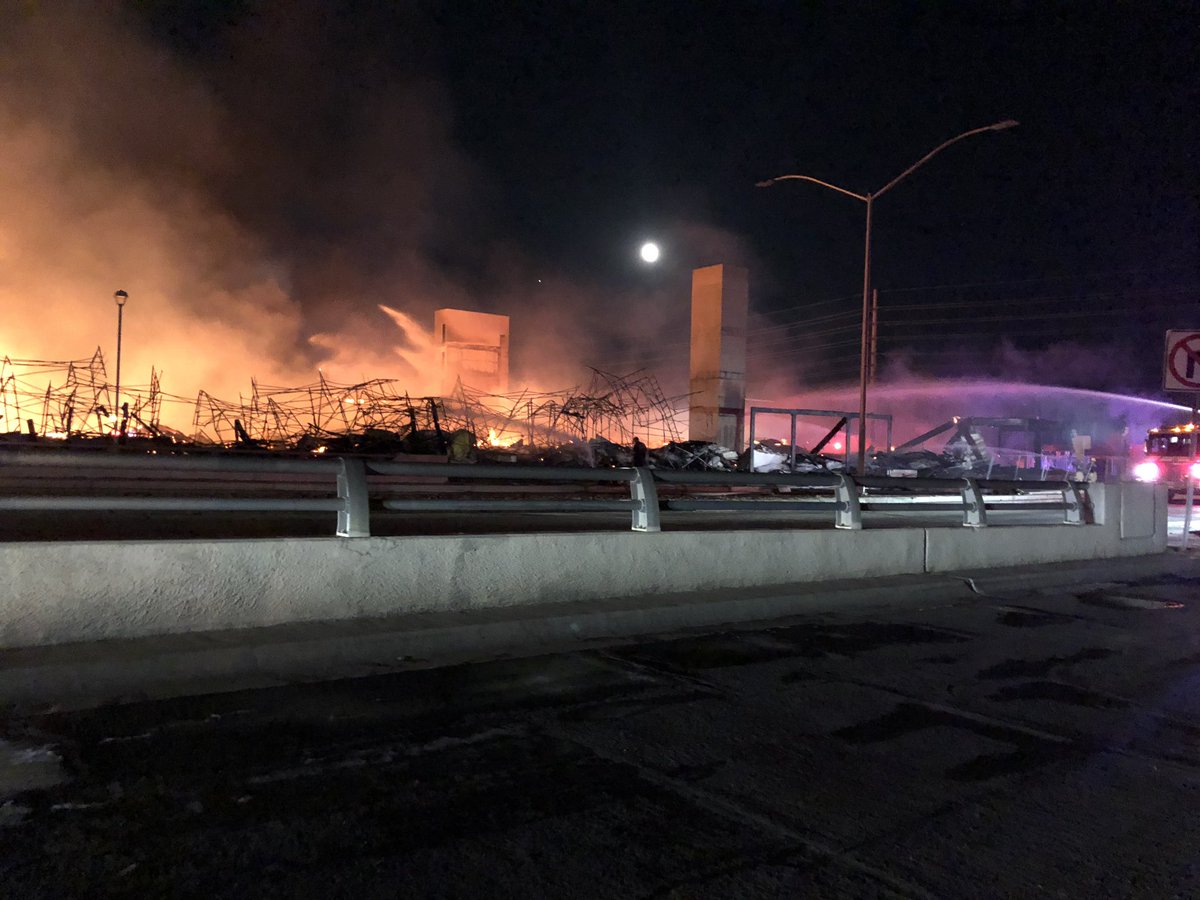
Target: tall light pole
column 120, row 297
column 869, row 199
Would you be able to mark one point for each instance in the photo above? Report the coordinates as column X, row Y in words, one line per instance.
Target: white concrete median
column 62, row 592
column 1130, row 520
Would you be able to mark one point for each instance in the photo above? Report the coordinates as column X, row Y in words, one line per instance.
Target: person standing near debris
column 641, row 456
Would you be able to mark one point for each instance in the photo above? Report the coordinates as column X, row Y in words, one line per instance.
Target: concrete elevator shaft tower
column 717, row 407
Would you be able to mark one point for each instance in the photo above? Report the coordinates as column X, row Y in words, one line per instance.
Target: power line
column 795, row 338
column 1050, row 298
column 973, row 284
column 1041, row 280
column 801, row 322
column 818, row 303
column 774, row 349
column 1076, row 314
column 911, row 339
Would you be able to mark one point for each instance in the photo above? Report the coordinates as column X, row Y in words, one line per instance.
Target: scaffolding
column 288, row 417
column 72, row 398
column 612, row 407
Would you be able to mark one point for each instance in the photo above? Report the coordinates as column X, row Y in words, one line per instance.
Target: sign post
column 1191, row 483
column 1181, row 372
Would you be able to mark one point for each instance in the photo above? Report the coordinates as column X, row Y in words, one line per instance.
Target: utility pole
column 874, row 335
column 1191, row 481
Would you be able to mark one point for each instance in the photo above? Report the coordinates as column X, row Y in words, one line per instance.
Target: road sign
column 1181, row 369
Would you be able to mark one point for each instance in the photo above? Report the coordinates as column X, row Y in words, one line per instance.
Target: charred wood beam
column 932, row 433
column 820, row 445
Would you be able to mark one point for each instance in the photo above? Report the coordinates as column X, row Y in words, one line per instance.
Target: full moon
column 650, row 252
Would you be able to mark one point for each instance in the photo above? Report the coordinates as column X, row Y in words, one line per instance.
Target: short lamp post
column 121, row 297
column 869, row 199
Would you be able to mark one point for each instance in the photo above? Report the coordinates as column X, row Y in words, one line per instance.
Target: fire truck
column 1171, row 453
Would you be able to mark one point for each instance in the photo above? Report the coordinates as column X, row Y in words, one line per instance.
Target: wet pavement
column 1020, row 743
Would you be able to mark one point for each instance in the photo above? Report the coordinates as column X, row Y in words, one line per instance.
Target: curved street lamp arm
column 832, row 187
column 999, row 126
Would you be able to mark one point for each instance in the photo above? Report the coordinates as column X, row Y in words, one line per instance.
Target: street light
column 120, row 297
column 869, row 199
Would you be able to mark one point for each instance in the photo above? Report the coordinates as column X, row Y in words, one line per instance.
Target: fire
column 497, row 440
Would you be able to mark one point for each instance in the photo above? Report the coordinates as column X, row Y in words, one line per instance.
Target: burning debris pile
column 76, row 400
column 619, row 407
column 378, row 413
column 371, row 416
column 590, row 424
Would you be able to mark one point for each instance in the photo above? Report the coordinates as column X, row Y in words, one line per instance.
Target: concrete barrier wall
column 1130, row 520
column 60, row 592
column 66, row 592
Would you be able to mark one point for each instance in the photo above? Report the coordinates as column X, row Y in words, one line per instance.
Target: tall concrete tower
column 720, row 298
column 474, row 347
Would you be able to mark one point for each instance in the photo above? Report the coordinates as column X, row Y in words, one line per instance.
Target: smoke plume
column 277, row 199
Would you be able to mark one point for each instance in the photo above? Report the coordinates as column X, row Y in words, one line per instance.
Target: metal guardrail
column 642, row 503
column 187, row 483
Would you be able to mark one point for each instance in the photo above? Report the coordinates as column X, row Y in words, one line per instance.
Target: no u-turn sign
column 1181, row 371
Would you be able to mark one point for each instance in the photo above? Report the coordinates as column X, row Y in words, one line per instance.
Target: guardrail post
column 1074, row 504
column 849, row 512
column 354, row 518
column 644, row 492
column 974, row 512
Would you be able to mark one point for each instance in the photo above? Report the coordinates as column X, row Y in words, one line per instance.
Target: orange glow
column 130, row 175
column 501, row 440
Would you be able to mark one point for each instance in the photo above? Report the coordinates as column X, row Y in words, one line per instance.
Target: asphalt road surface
column 1038, row 743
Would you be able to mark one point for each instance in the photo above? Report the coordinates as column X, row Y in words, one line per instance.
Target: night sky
column 561, row 134
column 601, row 125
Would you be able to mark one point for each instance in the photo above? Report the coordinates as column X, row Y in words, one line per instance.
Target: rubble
column 60, row 399
column 694, row 456
column 589, row 425
column 925, row 464
column 776, row 456
column 71, row 400
column 1020, row 449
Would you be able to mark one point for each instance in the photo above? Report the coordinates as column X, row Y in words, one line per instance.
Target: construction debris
column 77, row 401
column 776, row 456
column 694, row 456
column 587, row 425
column 591, row 425
column 610, row 408
column 986, row 447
